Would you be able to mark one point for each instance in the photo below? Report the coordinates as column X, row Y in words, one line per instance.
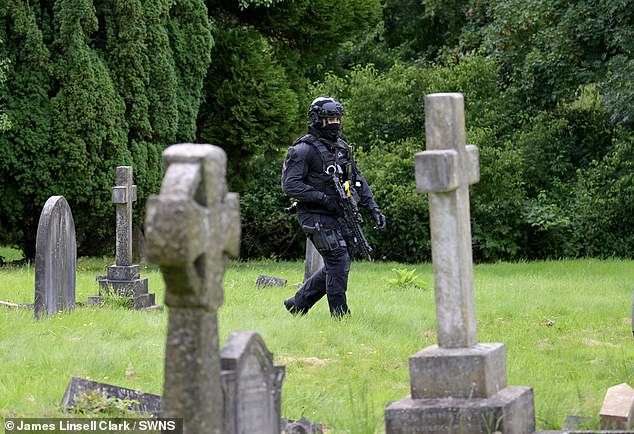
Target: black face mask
column 331, row 131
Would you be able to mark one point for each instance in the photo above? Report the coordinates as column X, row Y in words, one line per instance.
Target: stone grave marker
column 253, row 385
column 313, row 261
column 573, row 422
column 617, row 408
column 192, row 225
column 55, row 258
column 459, row 385
column 264, row 281
column 147, row 402
column 124, row 278
column 301, row 426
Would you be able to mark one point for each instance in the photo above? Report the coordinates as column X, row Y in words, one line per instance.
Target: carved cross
column 445, row 171
column 193, row 225
column 191, row 228
column 123, row 196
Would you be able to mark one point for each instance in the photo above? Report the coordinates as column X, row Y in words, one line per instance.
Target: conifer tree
column 89, row 128
column 24, row 168
column 191, row 41
column 163, row 81
column 94, row 85
column 4, row 119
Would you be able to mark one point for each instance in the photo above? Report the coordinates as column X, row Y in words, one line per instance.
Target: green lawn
column 566, row 326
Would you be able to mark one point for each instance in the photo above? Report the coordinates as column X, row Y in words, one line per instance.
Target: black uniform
column 305, row 179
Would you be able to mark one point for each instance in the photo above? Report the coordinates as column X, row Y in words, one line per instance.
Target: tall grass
column 566, row 326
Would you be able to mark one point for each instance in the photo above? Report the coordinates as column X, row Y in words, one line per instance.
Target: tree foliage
column 4, row 119
column 256, row 96
column 94, row 85
column 547, row 85
column 547, row 101
column 248, row 103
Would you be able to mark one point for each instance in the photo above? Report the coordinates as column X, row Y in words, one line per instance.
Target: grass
column 566, row 326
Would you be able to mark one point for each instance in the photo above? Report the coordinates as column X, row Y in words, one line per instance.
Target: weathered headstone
column 618, row 408
column 142, row 402
column 313, row 261
column 575, row 423
column 263, row 281
column 191, row 227
column 124, row 278
column 55, row 258
column 458, row 385
column 253, row 385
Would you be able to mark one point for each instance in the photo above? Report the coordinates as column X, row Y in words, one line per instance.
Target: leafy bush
column 390, row 173
column 601, row 206
column 266, row 230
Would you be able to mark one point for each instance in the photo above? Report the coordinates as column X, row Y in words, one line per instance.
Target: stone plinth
column 124, row 281
column 509, row 411
column 481, row 370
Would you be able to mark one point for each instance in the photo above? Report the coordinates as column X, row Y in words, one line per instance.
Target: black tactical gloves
column 330, row 203
column 379, row 219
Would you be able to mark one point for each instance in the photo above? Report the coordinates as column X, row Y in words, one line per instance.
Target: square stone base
column 124, row 281
column 144, row 301
column 475, row 372
column 510, row 411
column 124, row 288
column 124, row 272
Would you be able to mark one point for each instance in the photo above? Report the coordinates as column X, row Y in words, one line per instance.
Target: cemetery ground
column 566, row 326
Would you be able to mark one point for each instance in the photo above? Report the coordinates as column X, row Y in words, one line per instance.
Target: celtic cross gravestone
column 191, row 228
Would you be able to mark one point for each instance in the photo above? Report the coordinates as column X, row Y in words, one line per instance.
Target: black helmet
column 324, row 107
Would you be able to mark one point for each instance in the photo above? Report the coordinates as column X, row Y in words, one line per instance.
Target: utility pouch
column 324, row 239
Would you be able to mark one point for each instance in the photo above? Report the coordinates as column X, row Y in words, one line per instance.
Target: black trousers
column 329, row 237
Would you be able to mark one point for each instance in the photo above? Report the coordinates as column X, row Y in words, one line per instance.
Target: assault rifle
column 351, row 214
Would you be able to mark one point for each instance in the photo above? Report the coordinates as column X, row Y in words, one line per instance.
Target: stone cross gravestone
column 252, row 384
column 55, row 258
column 457, row 385
column 191, row 228
column 124, row 194
column 124, row 277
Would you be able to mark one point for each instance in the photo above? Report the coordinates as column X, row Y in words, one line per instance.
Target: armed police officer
column 307, row 176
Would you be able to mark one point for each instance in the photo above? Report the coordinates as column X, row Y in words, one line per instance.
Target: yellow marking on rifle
column 346, row 187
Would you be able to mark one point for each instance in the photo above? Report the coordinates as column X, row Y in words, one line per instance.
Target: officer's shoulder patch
column 292, row 153
column 301, row 147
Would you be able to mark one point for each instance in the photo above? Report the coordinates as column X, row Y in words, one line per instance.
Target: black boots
column 290, row 305
column 337, row 312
